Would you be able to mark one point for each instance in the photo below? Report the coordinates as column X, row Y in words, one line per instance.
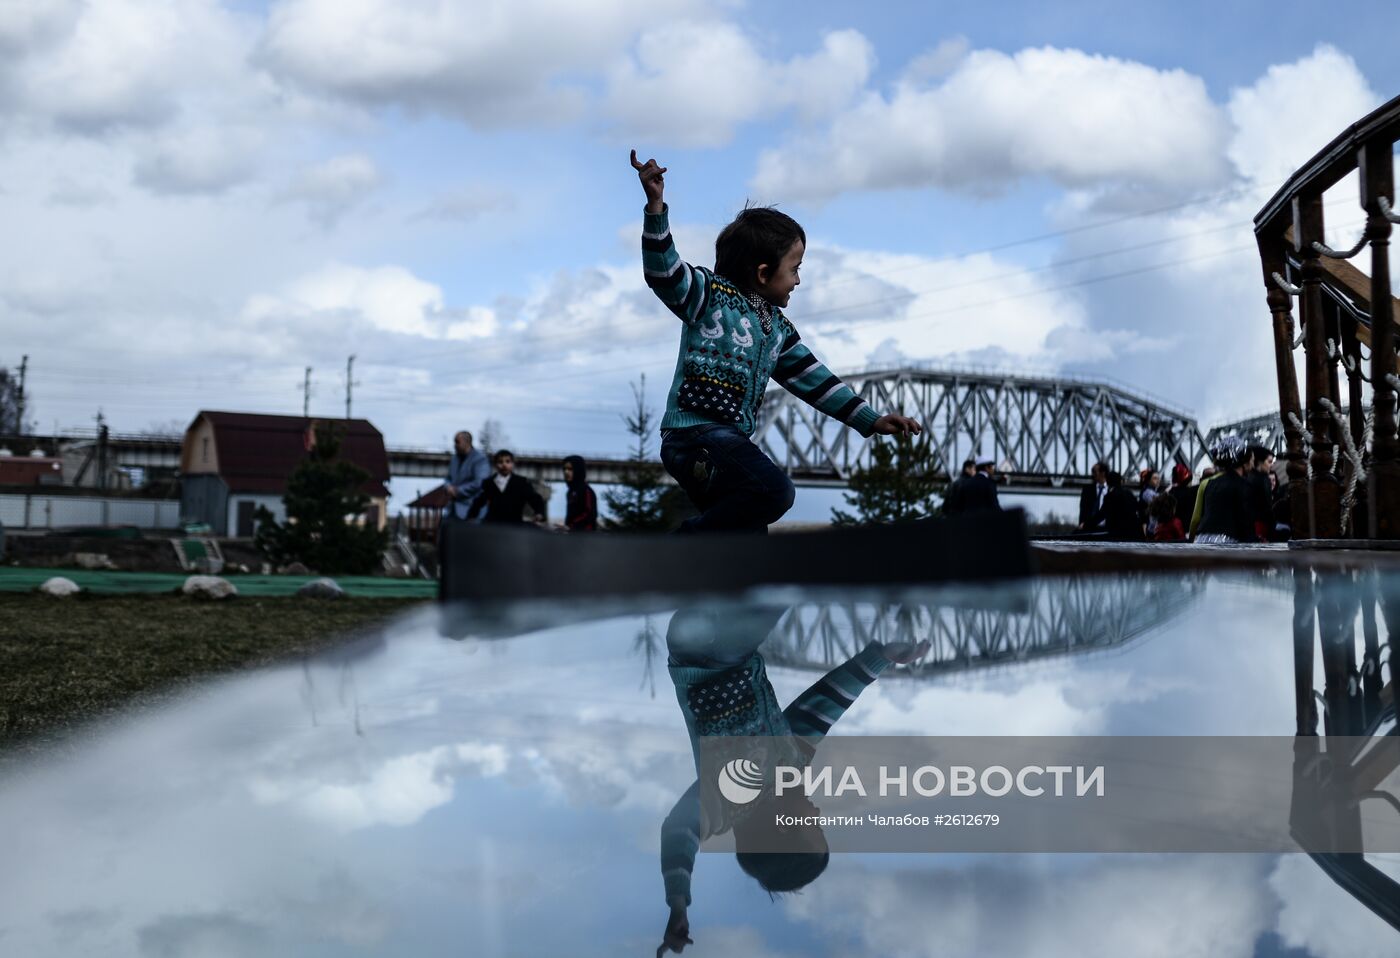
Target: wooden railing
column 1344, row 471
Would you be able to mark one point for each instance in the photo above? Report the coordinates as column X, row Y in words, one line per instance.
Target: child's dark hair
column 780, row 872
column 1163, row 507
column 758, row 235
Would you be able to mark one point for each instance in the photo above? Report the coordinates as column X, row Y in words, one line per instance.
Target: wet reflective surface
column 450, row 787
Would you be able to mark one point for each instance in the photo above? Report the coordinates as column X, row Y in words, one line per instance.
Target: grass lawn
column 64, row 662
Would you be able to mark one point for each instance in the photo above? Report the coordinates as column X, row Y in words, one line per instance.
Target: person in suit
column 980, row 493
column 953, row 498
column 505, row 495
column 1120, row 513
column 1091, row 500
column 467, row 471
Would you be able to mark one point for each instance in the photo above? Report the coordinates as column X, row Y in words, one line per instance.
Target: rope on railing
column 1306, row 439
column 1286, row 286
column 1386, row 211
column 1331, row 349
column 1358, row 468
column 1353, row 367
column 1330, row 253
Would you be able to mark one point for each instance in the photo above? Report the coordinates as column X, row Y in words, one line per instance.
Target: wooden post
column 1374, row 168
column 1324, row 492
column 1289, row 407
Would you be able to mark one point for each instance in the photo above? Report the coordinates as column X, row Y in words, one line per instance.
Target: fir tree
column 898, row 485
column 323, row 494
column 636, row 501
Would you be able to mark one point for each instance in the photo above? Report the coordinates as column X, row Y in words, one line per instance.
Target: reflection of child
column 723, row 690
column 735, row 338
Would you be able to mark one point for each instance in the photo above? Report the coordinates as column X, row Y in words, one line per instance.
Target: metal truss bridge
column 988, row 628
column 1044, row 432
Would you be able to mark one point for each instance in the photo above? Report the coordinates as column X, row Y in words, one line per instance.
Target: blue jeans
column 733, row 484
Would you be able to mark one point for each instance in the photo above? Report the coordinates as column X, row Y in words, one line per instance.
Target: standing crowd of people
column 1238, row 500
column 488, row 490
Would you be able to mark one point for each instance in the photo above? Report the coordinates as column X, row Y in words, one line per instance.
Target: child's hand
column 896, row 425
column 653, row 182
column 677, row 934
column 902, row 653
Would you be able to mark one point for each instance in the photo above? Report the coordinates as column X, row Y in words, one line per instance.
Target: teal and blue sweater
column 728, row 354
column 700, row 813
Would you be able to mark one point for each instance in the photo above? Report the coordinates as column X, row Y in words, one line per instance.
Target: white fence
column 57, row 512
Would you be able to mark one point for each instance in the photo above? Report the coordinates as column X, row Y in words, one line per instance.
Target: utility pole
column 350, row 383
column 306, row 395
column 101, row 450
column 23, row 368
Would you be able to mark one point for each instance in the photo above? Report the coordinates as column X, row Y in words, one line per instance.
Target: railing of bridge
column 1344, row 469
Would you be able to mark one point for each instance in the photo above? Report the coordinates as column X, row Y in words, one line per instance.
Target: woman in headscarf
column 1227, row 512
column 580, row 504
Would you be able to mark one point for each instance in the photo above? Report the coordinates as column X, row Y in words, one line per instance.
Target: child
column 1168, row 527
column 735, row 338
column 505, row 495
column 723, row 689
column 580, row 504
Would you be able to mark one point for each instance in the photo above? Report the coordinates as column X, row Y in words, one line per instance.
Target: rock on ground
column 60, row 586
column 209, row 587
column 322, row 589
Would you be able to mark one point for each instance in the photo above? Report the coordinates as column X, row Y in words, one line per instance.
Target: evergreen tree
column 636, row 501
column 898, row 485
column 323, row 493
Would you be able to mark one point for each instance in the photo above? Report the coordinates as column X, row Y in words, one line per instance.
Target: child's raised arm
column 675, row 282
column 652, row 175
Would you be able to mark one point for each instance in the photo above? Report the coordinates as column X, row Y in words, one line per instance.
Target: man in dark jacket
column 505, row 495
column 953, row 502
column 1120, row 511
column 980, row 493
column 1091, row 500
column 580, row 504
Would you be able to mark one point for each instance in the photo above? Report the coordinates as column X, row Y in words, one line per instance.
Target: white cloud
column 1294, row 110
column 386, row 298
column 1073, row 117
column 495, row 63
column 466, row 204
column 331, row 189
column 1208, row 305
column 92, row 67
column 691, row 83
column 399, row 792
column 1313, row 906
column 1124, row 906
column 201, row 159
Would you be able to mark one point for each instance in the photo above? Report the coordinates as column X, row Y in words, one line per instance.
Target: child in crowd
column 1168, row 525
column 735, row 338
column 580, row 504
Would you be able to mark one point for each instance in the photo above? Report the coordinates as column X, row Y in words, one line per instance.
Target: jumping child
column 735, row 338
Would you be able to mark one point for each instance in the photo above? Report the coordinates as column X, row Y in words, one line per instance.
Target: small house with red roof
column 231, row 463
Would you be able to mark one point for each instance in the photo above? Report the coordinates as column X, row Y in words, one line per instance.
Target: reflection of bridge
column 1044, row 432
column 1045, row 618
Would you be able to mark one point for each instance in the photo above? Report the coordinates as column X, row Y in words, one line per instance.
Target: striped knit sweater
column 700, row 813
column 728, row 354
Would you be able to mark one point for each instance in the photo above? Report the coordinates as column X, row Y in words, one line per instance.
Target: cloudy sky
column 200, row 198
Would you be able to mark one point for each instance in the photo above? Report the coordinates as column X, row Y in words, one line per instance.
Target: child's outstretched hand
column 653, row 180
column 903, row 653
column 893, row 425
column 677, row 933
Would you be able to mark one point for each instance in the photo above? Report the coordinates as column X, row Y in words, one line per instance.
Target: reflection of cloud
column 1317, row 915
column 213, row 934
column 1106, row 906
column 399, row 792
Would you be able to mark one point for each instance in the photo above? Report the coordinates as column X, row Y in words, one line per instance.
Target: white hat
column 984, row 461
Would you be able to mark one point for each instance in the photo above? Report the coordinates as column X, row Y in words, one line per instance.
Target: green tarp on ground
column 21, row 579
